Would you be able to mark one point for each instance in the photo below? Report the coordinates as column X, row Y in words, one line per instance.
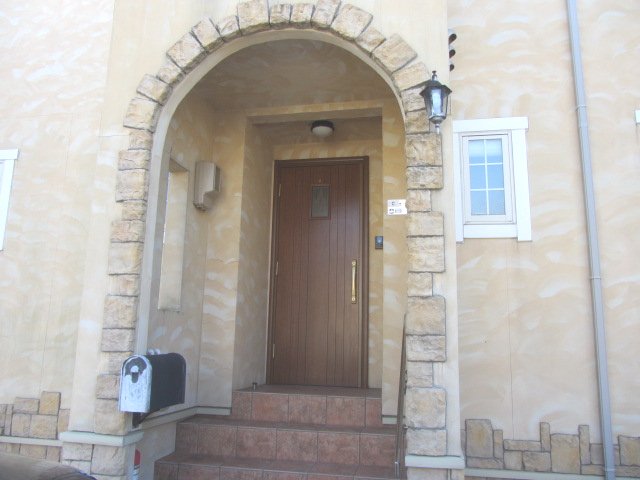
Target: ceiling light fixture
column 322, row 128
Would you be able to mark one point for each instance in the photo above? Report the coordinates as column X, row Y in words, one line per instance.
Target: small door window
column 319, row 201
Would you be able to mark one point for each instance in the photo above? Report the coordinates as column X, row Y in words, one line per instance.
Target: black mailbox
column 152, row 382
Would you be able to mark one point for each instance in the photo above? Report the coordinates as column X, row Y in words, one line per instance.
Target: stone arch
column 149, row 112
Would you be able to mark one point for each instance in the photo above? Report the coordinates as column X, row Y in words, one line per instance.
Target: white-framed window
column 7, row 160
column 491, row 178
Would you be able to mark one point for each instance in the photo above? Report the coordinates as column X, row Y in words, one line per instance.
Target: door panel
column 317, row 336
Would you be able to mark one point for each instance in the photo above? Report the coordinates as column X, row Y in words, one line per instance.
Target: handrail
column 402, row 388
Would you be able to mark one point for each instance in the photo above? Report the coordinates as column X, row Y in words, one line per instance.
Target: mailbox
column 149, row 383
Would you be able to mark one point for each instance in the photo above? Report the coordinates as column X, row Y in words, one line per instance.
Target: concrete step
column 309, row 405
column 222, row 436
column 180, row 466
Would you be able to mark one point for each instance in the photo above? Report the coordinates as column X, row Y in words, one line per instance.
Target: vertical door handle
column 354, row 293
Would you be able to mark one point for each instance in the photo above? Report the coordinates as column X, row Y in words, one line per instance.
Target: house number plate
column 397, row 206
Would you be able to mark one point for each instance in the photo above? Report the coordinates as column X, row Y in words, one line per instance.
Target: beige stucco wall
column 54, row 121
column 526, row 341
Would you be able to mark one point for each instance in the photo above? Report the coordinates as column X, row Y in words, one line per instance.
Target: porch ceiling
column 289, row 72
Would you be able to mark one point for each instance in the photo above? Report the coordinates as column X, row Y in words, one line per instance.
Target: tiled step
column 210, row 435
column 191, row 467
column 309, row 405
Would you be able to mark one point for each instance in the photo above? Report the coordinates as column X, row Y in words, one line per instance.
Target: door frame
column 363, row 361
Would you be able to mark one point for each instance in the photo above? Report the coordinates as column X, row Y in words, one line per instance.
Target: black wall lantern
column 436, row 99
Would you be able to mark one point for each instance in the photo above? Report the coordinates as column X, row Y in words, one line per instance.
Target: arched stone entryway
column 148, row 116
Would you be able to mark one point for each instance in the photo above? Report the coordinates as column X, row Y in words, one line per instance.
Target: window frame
column 513, row 130
column 7, row 159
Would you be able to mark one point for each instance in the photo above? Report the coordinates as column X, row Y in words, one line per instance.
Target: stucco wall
column 526, row 341
column 54, row 120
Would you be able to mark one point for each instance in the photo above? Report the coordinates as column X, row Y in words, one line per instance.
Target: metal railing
column 400, row 425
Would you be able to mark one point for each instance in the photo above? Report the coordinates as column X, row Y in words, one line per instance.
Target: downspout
column 594, row 248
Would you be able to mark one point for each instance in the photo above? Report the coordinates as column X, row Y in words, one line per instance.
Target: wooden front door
column 318, row 288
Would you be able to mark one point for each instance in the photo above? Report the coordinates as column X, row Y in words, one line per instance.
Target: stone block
column 491, row 463
column 280, row 15
column 49, row 403
column 351, row 21
column 419, row 374
column 419, row 284
column 7, row 419
column 324, row 13
column 127, row 231
column 117, row 339
column 229, row 28
column 301, row 14
column 108, row 386
column 44, row 426
column 414, row 75
column 416, row 122
column 428, row 474
column 108, row 419
column 513, row 460
column 629, row 450
column 426, row 348
column 393, row 54
column 426, row 442
column 38, row 452
column 418, row 200
column 424, row 149
column 134, row 159
column 53, row 454
column 170, row 73
column 207, row 35
column 426, row 254
column 623, row 471
column 498, row 445
column 124, row 285
column 424, row 177
column 545, row 436
column 597, row 454
column 421, row 224
column 187, row 52
column 426, row 316
column 20, row 423
column 134, row 209
column 111, row 362
column 412, row 101
column 140, row 140
column 108, row 460
column 84, row 467
column 425, row 407
column 142, row 114
column 77, row 451
column 253, row 16
column 479, row 438
column 565, row 453
column 154, row 89
column 125, row 258
column 536, row 461
column 593, row 470
column 63, row 420
column 370, row 39
column 26, row 405
column 120, row 312
column 523, row 445
column 131, row 185
column 585, row 443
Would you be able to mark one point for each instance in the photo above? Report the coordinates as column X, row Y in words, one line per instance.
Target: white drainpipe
column 594, row 249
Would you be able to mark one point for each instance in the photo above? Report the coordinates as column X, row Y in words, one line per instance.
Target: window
column 7, row 159
column 491, row 179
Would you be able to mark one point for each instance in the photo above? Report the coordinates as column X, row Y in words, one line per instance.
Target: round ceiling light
column 322, row 128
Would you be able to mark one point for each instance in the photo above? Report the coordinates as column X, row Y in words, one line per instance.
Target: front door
column 318, row 296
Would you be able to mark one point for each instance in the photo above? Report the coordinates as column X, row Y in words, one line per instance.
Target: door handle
column 354, row 293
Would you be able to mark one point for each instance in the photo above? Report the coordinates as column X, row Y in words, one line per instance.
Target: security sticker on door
column 397, row 206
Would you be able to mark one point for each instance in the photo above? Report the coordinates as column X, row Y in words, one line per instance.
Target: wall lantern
column 322, row 128
column 436, row 99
